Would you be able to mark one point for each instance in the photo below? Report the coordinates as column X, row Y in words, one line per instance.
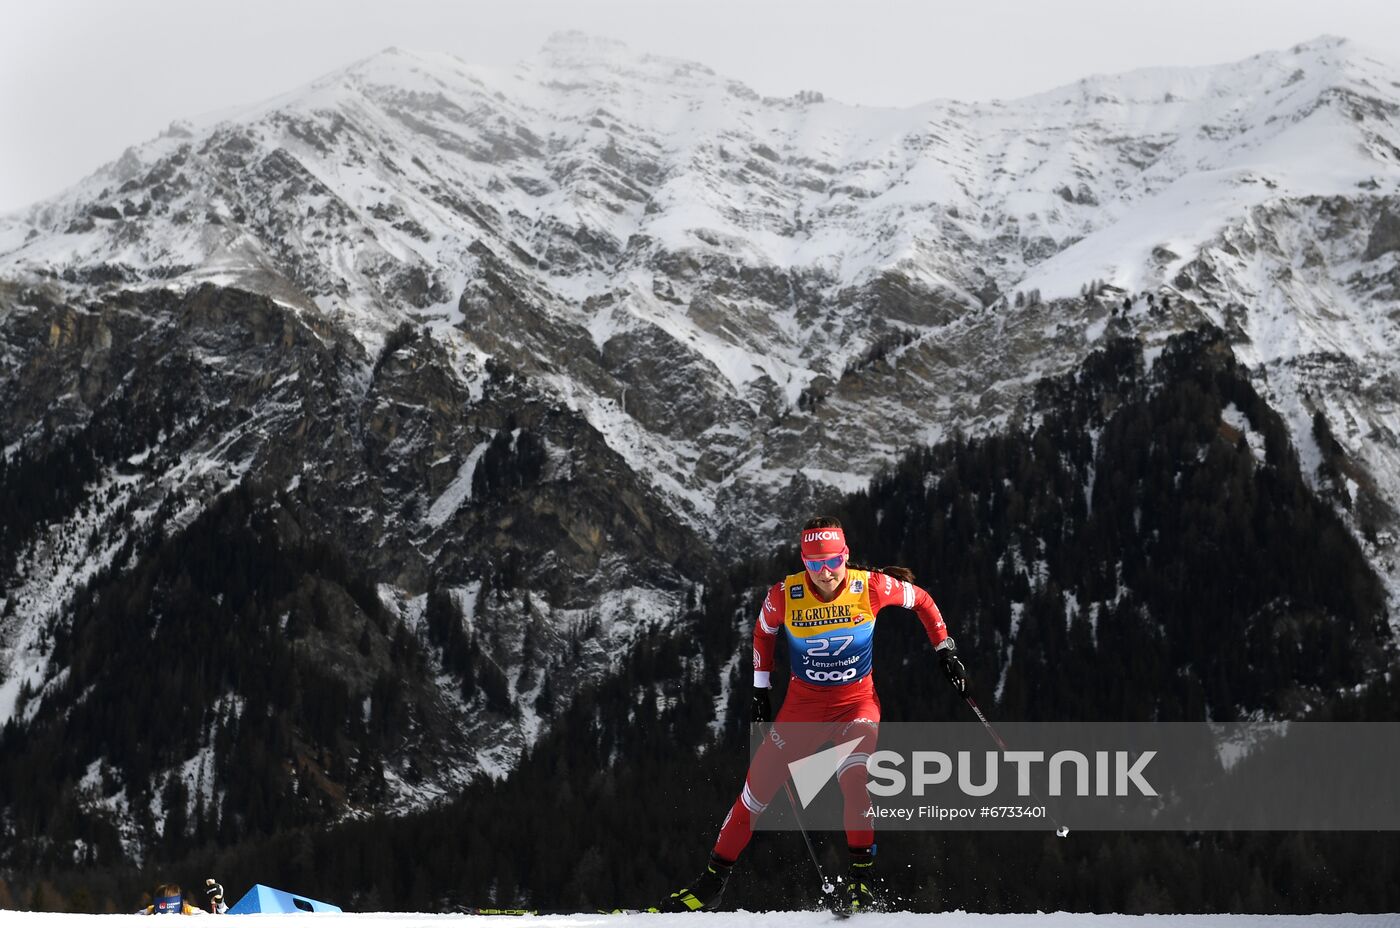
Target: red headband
column 823, row 542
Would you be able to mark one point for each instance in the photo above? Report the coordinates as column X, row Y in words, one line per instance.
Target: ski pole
column 828, row 887
column 1060, row 830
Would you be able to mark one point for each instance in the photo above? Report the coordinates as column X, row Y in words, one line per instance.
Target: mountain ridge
column 596, row 323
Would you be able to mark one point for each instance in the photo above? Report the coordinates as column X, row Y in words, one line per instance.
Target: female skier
column 828, row 612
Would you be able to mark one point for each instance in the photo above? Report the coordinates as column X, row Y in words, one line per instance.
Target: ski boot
column 704, row 892
column 860, row 881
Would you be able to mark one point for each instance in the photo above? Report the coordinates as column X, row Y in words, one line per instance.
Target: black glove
column 214, row 893
column 761, row 708
column 953, row 668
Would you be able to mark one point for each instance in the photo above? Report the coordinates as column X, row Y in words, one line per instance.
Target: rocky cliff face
column 551, row 551
column 559, row 333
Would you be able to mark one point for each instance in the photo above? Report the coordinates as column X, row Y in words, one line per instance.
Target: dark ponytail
column 899, row 573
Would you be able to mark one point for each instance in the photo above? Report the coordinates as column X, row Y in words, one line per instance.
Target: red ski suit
column 829, row 648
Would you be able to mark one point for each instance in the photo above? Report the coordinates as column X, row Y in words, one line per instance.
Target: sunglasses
column 834, row 563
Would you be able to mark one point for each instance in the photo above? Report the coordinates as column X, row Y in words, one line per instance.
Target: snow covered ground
column 762, row 920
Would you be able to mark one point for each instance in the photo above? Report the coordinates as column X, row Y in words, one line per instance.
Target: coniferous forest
column 1123, row 553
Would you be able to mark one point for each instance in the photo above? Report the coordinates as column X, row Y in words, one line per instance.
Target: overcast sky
column 82, row 79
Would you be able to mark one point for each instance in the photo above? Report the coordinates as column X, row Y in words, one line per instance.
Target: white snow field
column 750, row 920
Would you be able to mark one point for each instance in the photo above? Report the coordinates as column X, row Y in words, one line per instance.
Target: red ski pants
column 833, row 715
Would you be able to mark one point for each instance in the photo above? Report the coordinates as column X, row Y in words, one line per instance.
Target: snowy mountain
column 685, row 313
column 597, row 210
